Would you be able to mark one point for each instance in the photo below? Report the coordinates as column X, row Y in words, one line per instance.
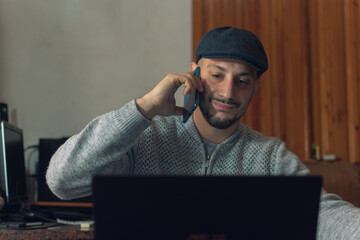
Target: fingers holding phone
column 194, row 83
column 191, row 97
column 161, row 101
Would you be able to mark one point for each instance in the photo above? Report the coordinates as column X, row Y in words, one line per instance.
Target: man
column 146, row 137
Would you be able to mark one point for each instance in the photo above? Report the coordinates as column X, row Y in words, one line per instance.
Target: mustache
column 225, row 101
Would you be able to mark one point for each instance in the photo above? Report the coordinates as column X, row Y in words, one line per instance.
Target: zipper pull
column 207, row 162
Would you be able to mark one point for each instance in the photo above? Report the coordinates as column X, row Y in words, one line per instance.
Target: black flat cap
column 235, row 43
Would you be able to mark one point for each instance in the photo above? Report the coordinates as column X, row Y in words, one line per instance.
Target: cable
column 31, row 146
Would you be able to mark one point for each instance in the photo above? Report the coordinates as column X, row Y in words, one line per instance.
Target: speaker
column 4, row 116
column 47, row 148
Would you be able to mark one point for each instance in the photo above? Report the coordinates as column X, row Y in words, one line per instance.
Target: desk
column 57, row 232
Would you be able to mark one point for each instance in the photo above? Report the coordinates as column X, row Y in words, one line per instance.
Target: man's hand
column 161, row 101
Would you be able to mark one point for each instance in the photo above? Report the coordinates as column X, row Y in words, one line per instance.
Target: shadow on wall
column 13, row 119
column 2, row 81
column 13, row 114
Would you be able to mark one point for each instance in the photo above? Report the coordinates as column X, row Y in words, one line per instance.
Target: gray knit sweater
column 124, row 142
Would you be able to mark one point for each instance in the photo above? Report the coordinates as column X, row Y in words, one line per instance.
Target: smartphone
column 191, row 100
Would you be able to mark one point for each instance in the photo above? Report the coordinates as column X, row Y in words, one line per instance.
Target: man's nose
column 228, row 88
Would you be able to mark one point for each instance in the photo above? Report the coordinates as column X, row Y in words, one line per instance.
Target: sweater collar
column 191, row 128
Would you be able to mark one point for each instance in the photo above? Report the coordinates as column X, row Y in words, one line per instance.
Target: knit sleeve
column 338, row 219
column 285, row 162
column 107, row 145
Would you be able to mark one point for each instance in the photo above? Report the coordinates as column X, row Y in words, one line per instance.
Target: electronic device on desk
column 49, row 204
column 47, row 148
column 12, row 166
column 4, row 116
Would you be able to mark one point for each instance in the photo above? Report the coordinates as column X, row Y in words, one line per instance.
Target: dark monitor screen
column 12, row 165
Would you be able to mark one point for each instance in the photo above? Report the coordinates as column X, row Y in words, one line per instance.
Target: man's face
column 228, row 88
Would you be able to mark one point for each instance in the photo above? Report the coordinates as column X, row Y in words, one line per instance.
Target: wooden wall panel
column 352, row 50
column 330, row 116
column 314, row 75
column 275, row 48
column 294, row 107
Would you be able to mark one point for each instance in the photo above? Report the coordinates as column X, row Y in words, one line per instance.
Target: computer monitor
column 12, row 164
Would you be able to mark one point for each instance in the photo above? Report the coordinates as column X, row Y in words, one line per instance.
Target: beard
column 214, row 121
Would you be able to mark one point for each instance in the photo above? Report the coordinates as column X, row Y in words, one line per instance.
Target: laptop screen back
column 184, row 207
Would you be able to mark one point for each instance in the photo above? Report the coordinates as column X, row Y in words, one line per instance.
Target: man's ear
column 193, row 66
column 258, row 83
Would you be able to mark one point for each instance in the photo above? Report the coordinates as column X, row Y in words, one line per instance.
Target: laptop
column 226, row 207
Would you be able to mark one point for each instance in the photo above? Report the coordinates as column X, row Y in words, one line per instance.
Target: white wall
column 64, row 62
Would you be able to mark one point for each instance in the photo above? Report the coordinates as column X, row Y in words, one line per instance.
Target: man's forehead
column 224, row 63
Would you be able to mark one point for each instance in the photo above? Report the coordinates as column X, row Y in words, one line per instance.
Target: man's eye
column 243, row 82
column 216, row 75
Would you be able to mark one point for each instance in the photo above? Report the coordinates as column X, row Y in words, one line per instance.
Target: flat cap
column 235, row 43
